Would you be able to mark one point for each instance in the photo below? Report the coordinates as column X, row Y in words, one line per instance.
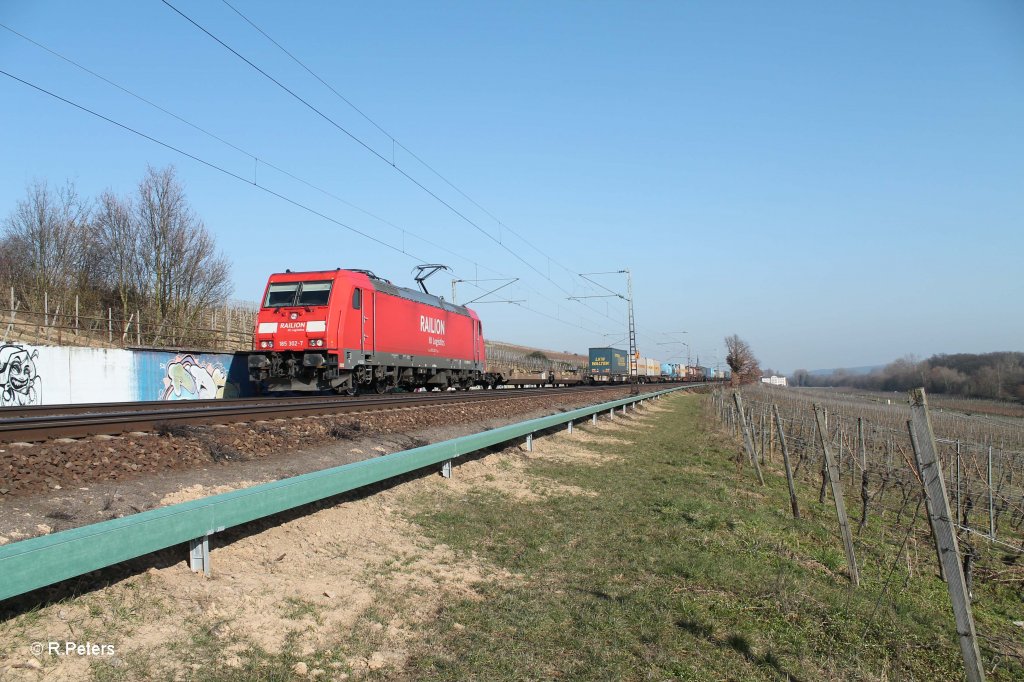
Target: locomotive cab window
column 281, row 294
column 314, row 293
column 284, row 294
column 357, row 299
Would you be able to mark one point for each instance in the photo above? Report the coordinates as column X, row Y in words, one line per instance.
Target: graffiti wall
column 192, row 376
column 19, row 380
column 53, row 375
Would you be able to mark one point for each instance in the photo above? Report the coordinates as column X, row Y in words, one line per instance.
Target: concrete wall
column 53, row 375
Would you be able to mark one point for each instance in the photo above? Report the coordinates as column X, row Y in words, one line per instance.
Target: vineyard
column 882, row 509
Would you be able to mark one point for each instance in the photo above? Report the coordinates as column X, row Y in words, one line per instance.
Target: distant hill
column 855, row 371
column 997, row 376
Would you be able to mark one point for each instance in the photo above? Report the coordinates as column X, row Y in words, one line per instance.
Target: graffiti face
column 19, row 382
column 187, row 379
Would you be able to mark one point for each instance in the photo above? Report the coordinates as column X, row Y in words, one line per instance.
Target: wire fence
column 56, row 320
column 884, row 511
column 70, row 321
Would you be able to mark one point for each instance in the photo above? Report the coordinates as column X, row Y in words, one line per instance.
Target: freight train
column 350, row 330
column 611, row 365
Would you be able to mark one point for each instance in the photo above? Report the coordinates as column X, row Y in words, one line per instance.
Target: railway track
column 40, row 423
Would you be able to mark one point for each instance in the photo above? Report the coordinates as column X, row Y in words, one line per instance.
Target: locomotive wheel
column 352, row 390
column 380, row 386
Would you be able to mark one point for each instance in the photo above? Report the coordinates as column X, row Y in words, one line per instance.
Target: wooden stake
column 747, row 442
column 864, row 497
column 837, row 493
column 785, row 461
column 923, row 438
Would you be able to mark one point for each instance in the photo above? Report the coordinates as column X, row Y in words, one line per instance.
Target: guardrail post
column 611, row 414
column 593, row 418
column 199, row 555
column 446, row 469
column 570, row 427
column 529, row 442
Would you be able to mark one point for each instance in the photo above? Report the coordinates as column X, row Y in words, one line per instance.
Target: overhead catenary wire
column 361, row 143
column 373, row 151
column 249, row 182
column 237, row 148
column 257, row 159
column 251, row 155
column 391, row 137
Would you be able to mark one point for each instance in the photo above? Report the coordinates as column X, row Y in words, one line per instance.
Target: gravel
column 54, row 485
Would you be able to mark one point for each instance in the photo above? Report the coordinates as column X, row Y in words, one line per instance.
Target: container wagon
column 608, row 365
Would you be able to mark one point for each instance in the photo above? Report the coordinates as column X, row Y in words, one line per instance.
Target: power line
column 374, row 152
column 358, row 140
column 391, row 137
column 251, row 155
column 246, row 181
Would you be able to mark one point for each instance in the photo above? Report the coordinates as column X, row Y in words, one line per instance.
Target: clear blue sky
column 840, row 184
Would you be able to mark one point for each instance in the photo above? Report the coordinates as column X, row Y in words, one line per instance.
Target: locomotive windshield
column 283, row 294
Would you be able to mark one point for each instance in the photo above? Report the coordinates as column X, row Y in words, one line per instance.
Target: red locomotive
column 349, row 330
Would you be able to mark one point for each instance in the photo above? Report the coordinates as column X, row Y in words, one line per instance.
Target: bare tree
column 117, row 237
column 183, row 270
column 741, row 361
column 47, row 240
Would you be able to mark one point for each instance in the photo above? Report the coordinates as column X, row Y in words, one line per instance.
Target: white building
column 774, row 380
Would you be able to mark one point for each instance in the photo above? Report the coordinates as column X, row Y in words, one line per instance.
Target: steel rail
column 124, row 406
column 150, row 416
column 30, row 564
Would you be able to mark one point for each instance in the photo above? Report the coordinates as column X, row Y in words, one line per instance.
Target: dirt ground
column 296, row 579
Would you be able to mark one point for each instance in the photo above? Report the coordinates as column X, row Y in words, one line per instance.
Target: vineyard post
column 785, row 461
column 928, row 501
column 991, row 504
column 959, row 517
column 824, row 465
column 10, row 325
column 945, row 536
column 12, row 310
column 837, row 494
column 864, row 497
column 839, row 437
column 748, row 444
column 762, row 438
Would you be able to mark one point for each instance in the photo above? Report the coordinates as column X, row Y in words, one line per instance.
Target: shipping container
column 608, row 364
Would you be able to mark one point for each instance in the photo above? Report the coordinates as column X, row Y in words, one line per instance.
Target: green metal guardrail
column 37, row 562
